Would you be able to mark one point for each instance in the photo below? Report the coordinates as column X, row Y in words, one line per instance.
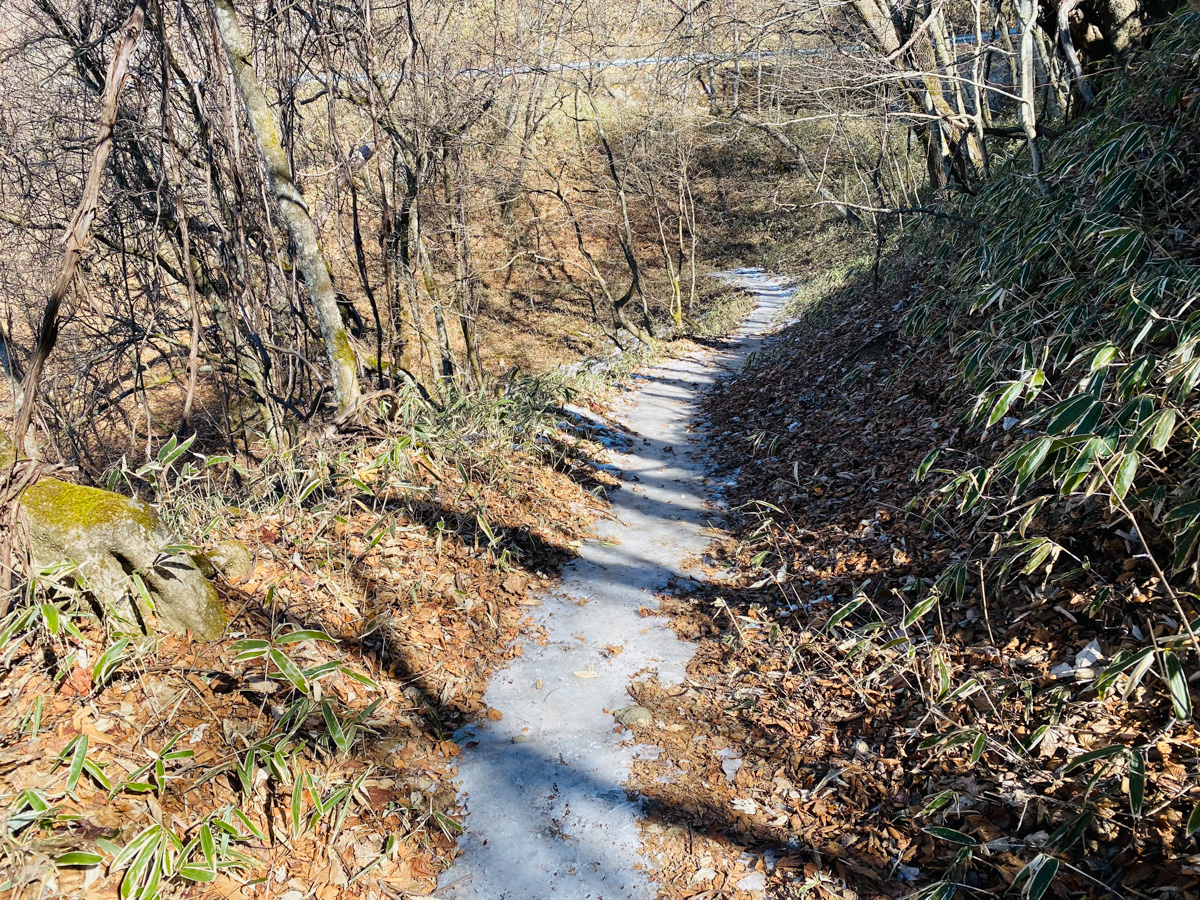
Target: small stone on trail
column 632, row 716
column 521, row 739
column 539, row 684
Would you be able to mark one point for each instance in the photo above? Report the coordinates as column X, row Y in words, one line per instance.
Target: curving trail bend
column 547, row 815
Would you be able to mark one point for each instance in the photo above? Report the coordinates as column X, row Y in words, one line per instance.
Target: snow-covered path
column 547, row 815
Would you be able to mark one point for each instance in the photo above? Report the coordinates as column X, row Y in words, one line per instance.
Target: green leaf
column 207, row 845
column 1181, row 698
column 1067, row 414
column 289, row 670
column 920, row 610
column 1120, row 663
column 1126, row 471
column 1157, row 430
column 172, row 451
column 319, row 671
column 1043, row 549
column 1184, row 512
column 79, row 858
column 309, row 635
column 97, row 773
column 197, row 873
column 50, row 617
column 1137, row 781
column 1092, row 755
column 108, row 662
column 1003, row 402
column 78, row 748
column 978, row 747
column 949, row 834
column 134, row 847
column 17, row 623
column 251, row 648
column 1193, row 822
column 1029, row 460
column 1043, row 868
column 927, row 463
column 359, row 677
column 1102, row 358
column 143, row 592
column 843, row 611
column 947, row 739
column 334, row 726
column 1036, row 738
column 937, row 802
column 248, row 825
column 297, row 800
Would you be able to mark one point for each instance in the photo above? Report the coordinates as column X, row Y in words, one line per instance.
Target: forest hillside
column 326, row 330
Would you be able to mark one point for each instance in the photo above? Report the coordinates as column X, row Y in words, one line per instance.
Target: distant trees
column 312, row 206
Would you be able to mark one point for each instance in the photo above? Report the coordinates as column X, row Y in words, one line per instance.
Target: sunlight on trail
column 546, row 811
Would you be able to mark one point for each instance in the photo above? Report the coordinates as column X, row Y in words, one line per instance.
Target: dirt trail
column 546, row 811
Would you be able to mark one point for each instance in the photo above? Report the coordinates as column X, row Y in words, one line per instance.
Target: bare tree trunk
column 625, row 239
column 978, row 90
column 1079, row 81
column 467, row 306
column 81, row 224
column 1057, row 92
column 306, row 245
column 924, row 87
column 1122, row 22
column 1026, row 111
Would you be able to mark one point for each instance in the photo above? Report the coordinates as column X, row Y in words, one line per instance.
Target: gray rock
column 633, row 716
column 111, row 537
column 232, row 559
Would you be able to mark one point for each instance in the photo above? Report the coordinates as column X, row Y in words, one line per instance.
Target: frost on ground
column 542, row 779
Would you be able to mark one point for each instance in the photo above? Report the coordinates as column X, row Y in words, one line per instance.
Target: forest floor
column 411, row 564
column 518, row 719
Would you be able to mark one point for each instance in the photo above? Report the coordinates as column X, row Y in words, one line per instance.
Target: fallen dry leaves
column 419, row 599
column 791, row 759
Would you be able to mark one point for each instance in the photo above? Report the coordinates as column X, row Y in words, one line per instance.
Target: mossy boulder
column 232, row 559
column 111, row 537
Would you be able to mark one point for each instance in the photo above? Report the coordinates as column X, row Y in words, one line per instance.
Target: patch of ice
column 1089, row 656
column 755, row 881
column 730, row 762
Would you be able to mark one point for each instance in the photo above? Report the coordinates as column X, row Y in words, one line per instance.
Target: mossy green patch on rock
column 64, row 505
column 111, row 537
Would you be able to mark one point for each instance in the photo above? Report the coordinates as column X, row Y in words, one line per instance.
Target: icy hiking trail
column 547, row 813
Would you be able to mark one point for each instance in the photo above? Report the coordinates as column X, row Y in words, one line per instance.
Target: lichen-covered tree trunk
column 343, row 365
